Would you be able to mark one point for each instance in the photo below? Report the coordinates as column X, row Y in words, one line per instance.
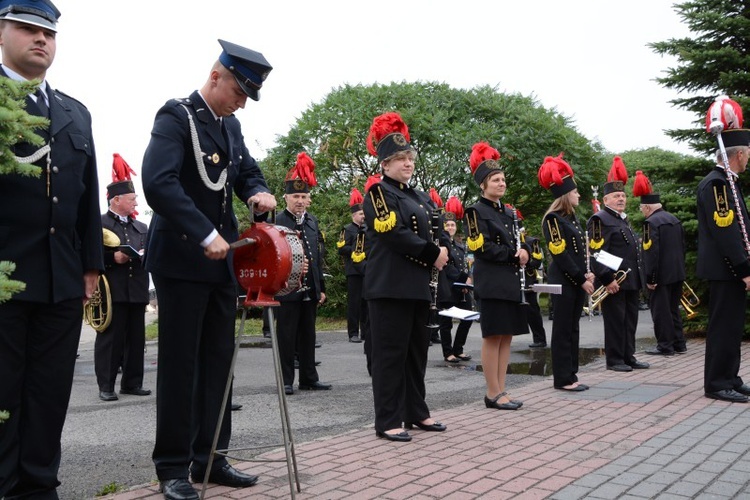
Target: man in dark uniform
column 195, row 158
column 50, row 227
column 351, row 247
column 664, row 268
column 610, row 231
column 723, row 261
column 298, row 310
column 121, row 343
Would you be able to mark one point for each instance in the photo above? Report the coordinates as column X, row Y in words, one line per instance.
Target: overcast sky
column 586, row 58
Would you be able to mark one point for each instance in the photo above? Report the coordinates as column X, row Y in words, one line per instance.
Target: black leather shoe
column 136, row 391
column 178, row 489
column 658, row 352
column 402, row 436
column 743, row 389
column 227, row 476
column 463, row 357
column 639, row 365
column 107, row 396
column 318, row 344
column 728, row 395
column 492, row 403
column 315, row 386
column 236, row 407
column 538, row 344
column 620, row 368
column 452, row 359
column 288, row 390
column 355, row 340
column 680, row 350
column 578, row 388
column 434, row 427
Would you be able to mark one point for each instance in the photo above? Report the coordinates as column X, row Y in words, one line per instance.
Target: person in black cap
column 52, row 231
column 664, row 268
column 351, row 247
column 723, row 261
column 610, row 231
column 397, row 282
column 195, row 159
column 298, row 310
column 567, row 246
column 121, row 343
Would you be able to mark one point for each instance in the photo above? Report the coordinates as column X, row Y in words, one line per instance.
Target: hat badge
column 399, row 139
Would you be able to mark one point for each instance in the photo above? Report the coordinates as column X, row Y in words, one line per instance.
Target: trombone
column 689, row 300
column 601, row 293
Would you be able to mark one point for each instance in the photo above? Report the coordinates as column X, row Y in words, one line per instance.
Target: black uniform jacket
column 536, row 259
column 721, row 251
column 497, row 273
column 456, row 271
column 610, row 232
column 54, row 238
column 567, row 247
column 185, row 210
column 127, row 282
column 347, row 245
column 312, row 241
column 400, row 258
column 663, row 249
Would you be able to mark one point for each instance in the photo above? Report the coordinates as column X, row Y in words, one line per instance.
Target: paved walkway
column 644, row 434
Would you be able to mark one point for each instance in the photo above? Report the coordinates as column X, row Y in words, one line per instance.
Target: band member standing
column 450, row 294
column 499, row 256
column 664, row 268
column 298, row 310
column 610, row 231
column 195, row 158
column 351, row 247
column 567, row 246
column 121, row 344
column 723, row 261
column 397, row 282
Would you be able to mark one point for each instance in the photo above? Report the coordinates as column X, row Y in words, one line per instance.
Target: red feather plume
column 435, row 197
column 518, row 212
column 120, row 169
column 373, row 179
column 553, row 170
column 382, row 125
column 355, row 198
column 480, row 152
column 304, row 169
column 617, row 172
column 454, row 205
column 641, row 185
column 725, row 111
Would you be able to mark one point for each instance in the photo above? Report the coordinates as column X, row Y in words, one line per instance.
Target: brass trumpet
column 689, row 300
column 97, row 311
column 601, row 293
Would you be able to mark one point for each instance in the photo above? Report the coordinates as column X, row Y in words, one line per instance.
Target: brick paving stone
column 685, row 487
column 571, row 493
column 608, row 491
column 628, row 478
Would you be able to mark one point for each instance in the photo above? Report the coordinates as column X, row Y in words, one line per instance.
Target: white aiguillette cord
column 213, row 186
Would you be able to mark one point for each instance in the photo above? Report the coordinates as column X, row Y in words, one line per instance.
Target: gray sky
column 586, row 58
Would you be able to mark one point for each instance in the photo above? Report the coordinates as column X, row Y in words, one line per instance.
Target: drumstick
column 241, row 243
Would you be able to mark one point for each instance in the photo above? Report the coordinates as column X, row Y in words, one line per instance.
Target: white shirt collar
column 216, row 117
column 622, row 215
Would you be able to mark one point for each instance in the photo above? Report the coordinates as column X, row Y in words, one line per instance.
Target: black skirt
column 502, row 317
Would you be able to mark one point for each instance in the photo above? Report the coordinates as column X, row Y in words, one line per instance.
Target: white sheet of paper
column 455, row 312
column 611, row 261
column 547, row 288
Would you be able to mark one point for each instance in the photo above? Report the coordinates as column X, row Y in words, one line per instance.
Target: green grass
column 109, row 489
column 254, row 326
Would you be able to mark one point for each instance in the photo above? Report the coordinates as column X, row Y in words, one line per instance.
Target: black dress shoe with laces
column 315, row 386
column 402, row 436
column 728, row 395
column 638, row 365
column 743, row 389
column 620, row 368
column 107, row 396
column 227, row 476
column 136, row 391
column 433, row 427
column 178, row 489
column 658, row 352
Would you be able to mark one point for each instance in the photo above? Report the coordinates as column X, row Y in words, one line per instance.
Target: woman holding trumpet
column 499, row 258
column 569, row 267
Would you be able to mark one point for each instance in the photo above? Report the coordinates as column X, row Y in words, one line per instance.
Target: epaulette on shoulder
column 723, row 214
column 385, row 219
column 597, row 238
column 474, row 239
column 556, row 242
column 59, row 93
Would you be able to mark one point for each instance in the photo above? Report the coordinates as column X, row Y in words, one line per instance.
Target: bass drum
column 272, row 265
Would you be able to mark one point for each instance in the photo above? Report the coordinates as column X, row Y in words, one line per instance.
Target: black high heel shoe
column 402, row 436
column 434, row 427
column 510, row 405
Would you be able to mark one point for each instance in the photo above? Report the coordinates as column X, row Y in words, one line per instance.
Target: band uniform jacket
column 455, row 271
column 54, row 237
column 351, row 232
column 312, row 241
column 663, row 249
column 610, row 232
column 721, row 252
column 401, row 258
column 567, row 247
column 128, row 282
column 185, row 209
column 497, row 273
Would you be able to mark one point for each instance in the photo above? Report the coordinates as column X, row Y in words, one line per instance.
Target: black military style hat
column 736, row 137
column 249, row 68
column 41, row 13
column 118, row 188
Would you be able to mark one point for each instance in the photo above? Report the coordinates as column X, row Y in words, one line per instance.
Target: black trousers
column 400, row 341
column 356, row 307
column 38, row 345
column 566, row 335
column 196, row 343
column 121, row 344
column 664, row 303
column 451, row 346
column 296, row 331
column 726, row 324
column 534, row 315
column 620, row 317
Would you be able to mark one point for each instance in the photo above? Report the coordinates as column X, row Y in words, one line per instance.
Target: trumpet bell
column 97, row 311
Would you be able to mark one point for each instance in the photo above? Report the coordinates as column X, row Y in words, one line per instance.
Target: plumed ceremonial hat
column 556, row 175
column 388, row 135
column 301, row 177
column 617, row 177
column 120, row 188
column 121, row 183
column 373, row 179
column 725, row 116
column 248, row 67
column 42, row 13
column 642, row 187
column 435, row 197
column 454, row 210
column 355, row 200
column 483, row 161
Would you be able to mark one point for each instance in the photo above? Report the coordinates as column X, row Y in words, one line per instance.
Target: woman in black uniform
column 567, row 246
column 498, row 254
column 397, row 283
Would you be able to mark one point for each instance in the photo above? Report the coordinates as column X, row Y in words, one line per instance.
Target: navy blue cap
column 42, row 13
column 249, row 68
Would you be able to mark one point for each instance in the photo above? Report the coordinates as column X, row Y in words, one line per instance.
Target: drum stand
column 286, row 428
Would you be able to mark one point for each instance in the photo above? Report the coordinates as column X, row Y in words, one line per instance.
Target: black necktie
column 41, row 103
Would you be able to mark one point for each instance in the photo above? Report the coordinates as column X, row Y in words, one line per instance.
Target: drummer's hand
column 217, row 249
